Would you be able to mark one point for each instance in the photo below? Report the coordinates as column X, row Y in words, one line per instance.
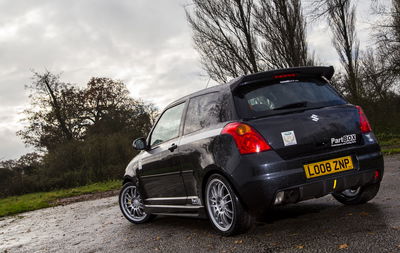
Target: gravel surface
column 320, row 225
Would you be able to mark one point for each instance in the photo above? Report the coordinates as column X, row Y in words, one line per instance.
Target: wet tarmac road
column 320, row 225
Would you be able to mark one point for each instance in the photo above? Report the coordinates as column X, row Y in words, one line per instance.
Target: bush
column 71, row 164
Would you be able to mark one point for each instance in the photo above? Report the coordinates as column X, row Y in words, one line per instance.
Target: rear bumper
column 323, row 187
column 259, row 177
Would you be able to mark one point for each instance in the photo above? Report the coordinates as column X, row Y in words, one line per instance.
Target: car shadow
column 313, row 218
column 296, row 218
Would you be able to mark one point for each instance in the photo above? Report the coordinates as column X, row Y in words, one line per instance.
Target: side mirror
column 139, row 144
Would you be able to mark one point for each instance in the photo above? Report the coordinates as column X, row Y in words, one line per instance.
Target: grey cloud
column 147, row 44
column 11, row 146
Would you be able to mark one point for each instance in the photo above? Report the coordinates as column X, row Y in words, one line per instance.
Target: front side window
column 167, row 126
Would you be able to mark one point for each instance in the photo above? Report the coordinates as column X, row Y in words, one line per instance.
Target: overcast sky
column 147, row 44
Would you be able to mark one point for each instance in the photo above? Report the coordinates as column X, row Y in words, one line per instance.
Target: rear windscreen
column 263, row 99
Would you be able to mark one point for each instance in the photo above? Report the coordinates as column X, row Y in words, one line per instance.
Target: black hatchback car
column 233, row 151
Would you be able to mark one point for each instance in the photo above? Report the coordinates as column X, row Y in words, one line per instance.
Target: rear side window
column 204, row 111
column 275, row 98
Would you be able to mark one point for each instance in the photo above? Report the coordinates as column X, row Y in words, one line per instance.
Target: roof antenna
column 209, row 78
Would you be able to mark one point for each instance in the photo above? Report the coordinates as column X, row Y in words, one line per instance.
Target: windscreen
column 263, row 99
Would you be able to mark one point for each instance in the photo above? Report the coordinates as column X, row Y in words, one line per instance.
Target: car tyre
column 357, row 196
column 224, row 209
column 131, row 204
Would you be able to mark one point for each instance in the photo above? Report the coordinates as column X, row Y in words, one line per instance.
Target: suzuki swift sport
column 233, row 151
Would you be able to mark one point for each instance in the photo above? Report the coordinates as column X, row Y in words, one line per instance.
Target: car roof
column 216, row 88
column 320, row 71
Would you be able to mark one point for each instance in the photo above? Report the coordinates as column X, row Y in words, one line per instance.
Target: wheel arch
column 213, row 169
column 127, row 179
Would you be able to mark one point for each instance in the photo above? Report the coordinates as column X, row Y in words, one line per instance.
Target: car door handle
column 173, row 147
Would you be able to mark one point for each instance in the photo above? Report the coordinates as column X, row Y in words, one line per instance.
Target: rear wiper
column 292, row 105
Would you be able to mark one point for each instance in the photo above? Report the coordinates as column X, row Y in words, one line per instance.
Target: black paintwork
column 180, row 167
column 161, row 167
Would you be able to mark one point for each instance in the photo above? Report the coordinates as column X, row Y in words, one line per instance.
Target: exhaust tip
column 279, row 198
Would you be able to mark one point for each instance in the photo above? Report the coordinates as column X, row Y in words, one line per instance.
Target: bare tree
column 376, row 77
column 282, row 29
column 224, row 37
column 342, row 18
column 388, row 37
column 230, row 36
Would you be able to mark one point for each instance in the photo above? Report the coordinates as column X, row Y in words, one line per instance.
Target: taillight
column 247, row 139
column 376, row 174
column 365, row 127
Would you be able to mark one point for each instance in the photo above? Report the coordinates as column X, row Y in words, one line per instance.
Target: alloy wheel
column 220, row 205
column 132, row 204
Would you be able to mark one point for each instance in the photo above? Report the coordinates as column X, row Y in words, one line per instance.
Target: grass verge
column 33, row 201
column 390, row 143
column 390, row 151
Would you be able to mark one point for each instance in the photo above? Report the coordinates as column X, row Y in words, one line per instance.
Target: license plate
column 328, row 167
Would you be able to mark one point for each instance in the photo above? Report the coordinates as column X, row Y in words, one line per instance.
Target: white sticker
column 289, row 138
column 344, row 140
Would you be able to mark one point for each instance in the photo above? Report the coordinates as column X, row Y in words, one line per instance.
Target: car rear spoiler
column 284, row 74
